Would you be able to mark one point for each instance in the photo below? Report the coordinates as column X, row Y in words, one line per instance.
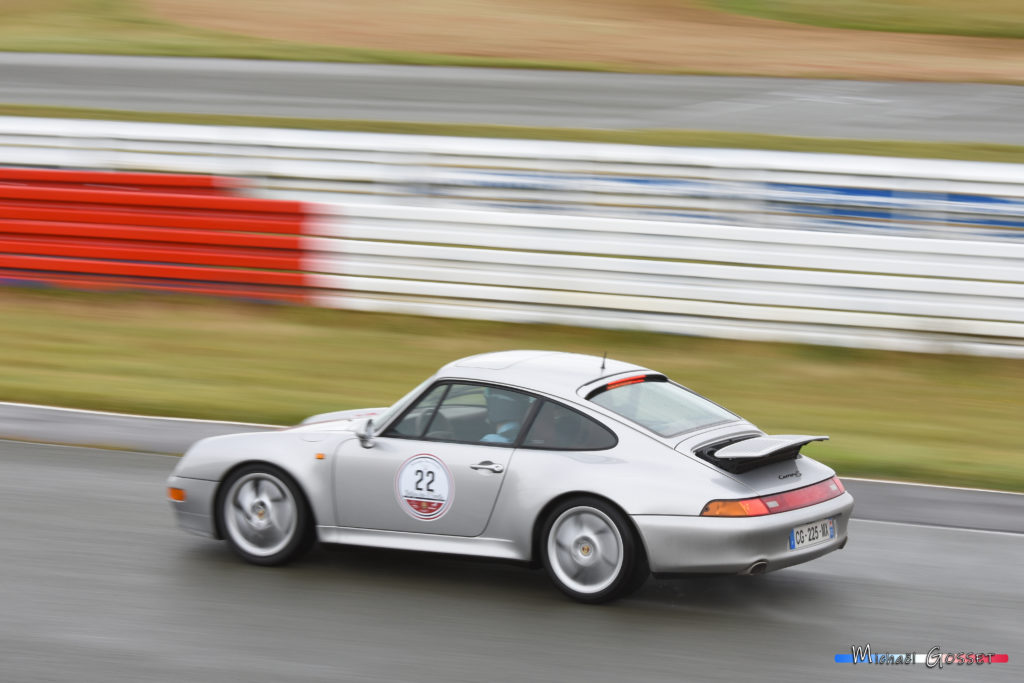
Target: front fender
column 305, row 456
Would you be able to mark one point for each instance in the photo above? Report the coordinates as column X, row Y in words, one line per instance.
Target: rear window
column 664, row 408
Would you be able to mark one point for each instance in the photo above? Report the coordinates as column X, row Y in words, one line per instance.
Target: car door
column 439, row 467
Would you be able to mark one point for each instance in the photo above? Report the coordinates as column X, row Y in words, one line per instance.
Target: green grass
column 988, row 18
column 941, row 419
column 678, row 138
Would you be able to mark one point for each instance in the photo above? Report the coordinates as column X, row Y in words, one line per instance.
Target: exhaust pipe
column 759, row 567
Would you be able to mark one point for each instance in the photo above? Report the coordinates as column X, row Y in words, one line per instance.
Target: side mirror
column 366, row 434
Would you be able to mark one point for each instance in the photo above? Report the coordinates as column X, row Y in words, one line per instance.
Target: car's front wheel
column 264, row 516
column 591, row 551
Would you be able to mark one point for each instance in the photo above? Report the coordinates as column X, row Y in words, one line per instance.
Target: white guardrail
column 414, row 229
column 734, row 187
column 916, row 294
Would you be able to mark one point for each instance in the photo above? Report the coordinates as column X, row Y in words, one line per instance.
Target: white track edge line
column 939, row 526
column 263, row 424
column 933, row 486
column 105, row 449
column 139, row 417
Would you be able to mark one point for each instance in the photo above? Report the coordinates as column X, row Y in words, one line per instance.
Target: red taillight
column 801, row 498
column 778, row 502
column 623, row 382
column 626, row 381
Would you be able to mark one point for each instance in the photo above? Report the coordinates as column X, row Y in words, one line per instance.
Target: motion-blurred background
column 679, row 207
column 810, row 212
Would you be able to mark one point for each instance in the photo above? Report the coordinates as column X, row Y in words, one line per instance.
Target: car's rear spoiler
column 747, row 453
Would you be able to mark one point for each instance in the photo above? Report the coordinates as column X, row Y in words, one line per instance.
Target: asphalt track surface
column 97, row 584
column 969, row 112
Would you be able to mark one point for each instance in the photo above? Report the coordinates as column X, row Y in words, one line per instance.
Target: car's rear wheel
column 263, row 515
column 591, row 551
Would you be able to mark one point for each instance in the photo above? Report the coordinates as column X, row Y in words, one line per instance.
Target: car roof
column 552, row 372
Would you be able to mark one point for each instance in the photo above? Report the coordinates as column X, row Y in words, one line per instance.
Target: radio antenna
column 603, row 359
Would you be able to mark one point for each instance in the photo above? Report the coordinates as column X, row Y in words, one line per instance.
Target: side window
column 506, row 413
column 466, row 413
column 559, row 428
column 474, row 413
column 416, row 419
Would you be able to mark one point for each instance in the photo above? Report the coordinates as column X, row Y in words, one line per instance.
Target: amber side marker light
column 177, row 495
column 777, row 502
column 750, row 507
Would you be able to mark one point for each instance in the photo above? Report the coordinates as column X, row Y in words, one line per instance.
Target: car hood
column 337, row 420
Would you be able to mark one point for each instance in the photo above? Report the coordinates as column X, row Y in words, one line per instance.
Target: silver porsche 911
column 599, row 470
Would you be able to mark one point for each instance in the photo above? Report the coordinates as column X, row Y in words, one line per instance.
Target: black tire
column 591, row 551
column 264, row 516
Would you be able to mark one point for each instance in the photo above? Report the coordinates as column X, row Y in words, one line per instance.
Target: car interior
column 472, row 413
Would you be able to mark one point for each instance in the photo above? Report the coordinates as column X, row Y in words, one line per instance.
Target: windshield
column 664, row 408
column 383, row 419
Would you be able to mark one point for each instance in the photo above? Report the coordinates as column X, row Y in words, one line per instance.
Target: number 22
column 429, row 475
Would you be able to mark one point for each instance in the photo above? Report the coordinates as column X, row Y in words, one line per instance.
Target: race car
column 598, row 470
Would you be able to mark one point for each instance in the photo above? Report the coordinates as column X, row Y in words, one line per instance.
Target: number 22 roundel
column 424, row 487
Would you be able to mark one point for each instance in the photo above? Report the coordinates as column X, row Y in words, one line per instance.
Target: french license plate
column 812, row 534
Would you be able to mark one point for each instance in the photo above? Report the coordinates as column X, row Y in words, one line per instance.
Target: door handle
column 488, row 465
